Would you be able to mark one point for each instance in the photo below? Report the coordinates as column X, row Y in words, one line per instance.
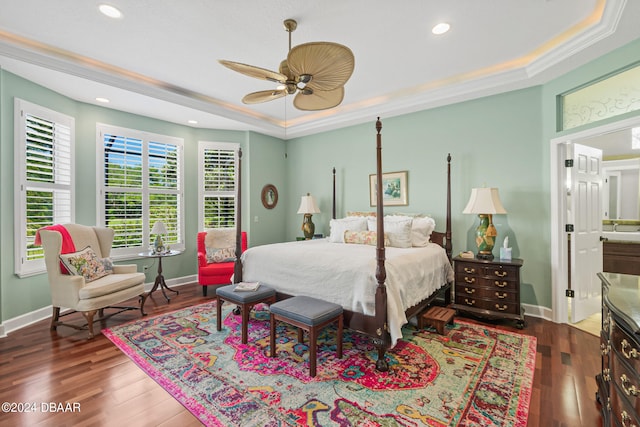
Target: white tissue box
column 505, row 254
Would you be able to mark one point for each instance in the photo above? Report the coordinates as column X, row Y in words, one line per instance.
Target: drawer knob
column 470, row 290
column 626, row 419
column 470, row 302
column 503, row 308
column 630, row 390
column 469, row 270
column 501, row 295
column 500, row 284
column 501, row 273
column 633, row 354
column 469, row 279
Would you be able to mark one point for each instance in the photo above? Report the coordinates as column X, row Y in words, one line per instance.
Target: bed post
column 333, row 208
column 382, row 340
column 448, row 245
column 237, row 268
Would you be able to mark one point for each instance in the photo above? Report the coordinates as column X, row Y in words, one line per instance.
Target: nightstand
column 489, row 288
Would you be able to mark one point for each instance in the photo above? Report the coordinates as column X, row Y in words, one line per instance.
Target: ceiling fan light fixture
column 305, row 78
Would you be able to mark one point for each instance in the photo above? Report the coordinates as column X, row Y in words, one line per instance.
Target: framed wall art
column 395, row 189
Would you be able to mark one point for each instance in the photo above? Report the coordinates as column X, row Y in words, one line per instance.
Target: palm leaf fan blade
column 252, row 71
column 329, row 64
column 263, row 96
column 319, row 100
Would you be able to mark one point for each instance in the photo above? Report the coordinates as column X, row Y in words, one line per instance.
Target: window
column 140, row 182
column 44, row 179
column 217, row 165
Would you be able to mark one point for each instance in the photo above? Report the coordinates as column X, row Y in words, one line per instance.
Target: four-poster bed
column 406, row 280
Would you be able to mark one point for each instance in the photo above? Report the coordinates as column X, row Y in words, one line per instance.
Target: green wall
column 501, row 141
column 491, row 143
column 21, row 296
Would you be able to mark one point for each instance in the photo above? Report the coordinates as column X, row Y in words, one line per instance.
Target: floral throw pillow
column 87, row 264
column 363, row 237
column 221, row 254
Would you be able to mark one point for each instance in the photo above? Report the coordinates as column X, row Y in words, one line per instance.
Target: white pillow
column 421, row 229
column 339, row 226
column 397, row 229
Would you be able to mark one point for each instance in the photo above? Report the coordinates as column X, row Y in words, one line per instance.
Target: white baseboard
column 538, row 311
column 11, row 325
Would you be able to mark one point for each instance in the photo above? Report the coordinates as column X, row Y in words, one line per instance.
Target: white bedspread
column 345, row 274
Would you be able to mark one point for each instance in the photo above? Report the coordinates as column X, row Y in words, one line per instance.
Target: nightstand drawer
column 508, row 295
column 486, row 304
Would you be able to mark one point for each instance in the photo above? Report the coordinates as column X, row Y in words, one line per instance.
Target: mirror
column 269, row 196
column 621, row 177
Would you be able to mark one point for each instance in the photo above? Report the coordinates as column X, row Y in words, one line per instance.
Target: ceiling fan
column 316, row 72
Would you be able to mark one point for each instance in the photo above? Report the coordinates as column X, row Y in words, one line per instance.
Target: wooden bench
column 436, row 317
column 307, row 314
column 245, row 300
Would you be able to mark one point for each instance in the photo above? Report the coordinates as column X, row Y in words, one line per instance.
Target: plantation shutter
column 164, row 189
column 218, row 182
column 142, row 183
column 123, row 178
column 44, row 193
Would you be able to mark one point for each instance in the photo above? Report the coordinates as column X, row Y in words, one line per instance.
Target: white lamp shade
column 484, row 201
column 308, row 205
column 159, row 228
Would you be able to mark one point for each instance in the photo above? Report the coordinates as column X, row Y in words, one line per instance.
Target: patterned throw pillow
column 363, row 237
column 86, row 263
column 221, row 254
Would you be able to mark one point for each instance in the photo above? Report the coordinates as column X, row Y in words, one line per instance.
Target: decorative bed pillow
column 365, row 237
column 397, row 230
column 421, row 229
column 362, row 214
column 221, row 254
column 339, row 226
column 85, row 263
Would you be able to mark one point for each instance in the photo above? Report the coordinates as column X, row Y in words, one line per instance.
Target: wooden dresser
column 619, row 382
column 488, row 288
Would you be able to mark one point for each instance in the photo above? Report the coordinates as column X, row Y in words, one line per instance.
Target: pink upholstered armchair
column 214, row 273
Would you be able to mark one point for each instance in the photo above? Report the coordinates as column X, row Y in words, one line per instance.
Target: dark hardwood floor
column 39, row 366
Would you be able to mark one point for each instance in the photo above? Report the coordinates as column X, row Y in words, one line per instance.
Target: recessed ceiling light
column 192, row 122
column 441, row 28
column 103, row 100
column 110, row 11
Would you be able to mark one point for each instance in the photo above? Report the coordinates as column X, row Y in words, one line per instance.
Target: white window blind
column 140, row 183
column 45, row 179
column 217, row 164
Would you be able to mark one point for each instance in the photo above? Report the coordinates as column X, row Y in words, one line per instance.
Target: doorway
column 561, row 264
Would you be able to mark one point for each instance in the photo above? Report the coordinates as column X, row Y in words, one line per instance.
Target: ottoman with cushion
column 245, row 300
column 308, row 314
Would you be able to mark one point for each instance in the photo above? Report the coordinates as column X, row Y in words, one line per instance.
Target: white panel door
column 586, row 246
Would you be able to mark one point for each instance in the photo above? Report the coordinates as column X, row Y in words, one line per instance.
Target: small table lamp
column 308, row 207
column 485, row 202
column 158, row 229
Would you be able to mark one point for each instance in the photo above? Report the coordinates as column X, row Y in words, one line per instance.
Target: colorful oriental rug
column 473, row 376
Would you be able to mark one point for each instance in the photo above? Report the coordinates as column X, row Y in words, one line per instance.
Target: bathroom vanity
column 621, row 257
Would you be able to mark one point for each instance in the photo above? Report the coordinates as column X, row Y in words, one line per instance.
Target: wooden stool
column 308, row 314
column 245, row 300
column 436, row 317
